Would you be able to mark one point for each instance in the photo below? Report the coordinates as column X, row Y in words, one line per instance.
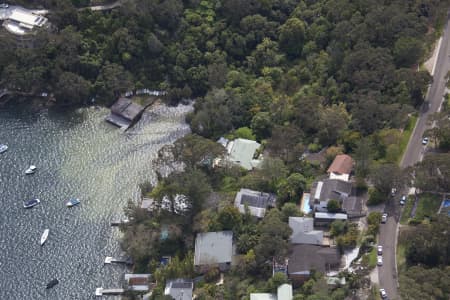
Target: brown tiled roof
column 342, row 164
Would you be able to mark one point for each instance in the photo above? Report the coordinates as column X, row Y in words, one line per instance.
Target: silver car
column 384, row 218
column 379, row 260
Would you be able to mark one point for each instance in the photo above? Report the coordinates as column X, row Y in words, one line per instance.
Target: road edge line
column 437, row 55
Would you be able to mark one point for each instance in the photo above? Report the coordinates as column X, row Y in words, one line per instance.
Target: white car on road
column 383, row 294
column 425, row 141
column 379, row 260
column 380, row 250
column 384, row 218
column 403, row 200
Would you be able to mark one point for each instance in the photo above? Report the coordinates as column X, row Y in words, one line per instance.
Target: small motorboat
column 44, row 236
column 52, row 283
column 3, row 148
column 31, row 170
column 31, row 203
column 73, row 202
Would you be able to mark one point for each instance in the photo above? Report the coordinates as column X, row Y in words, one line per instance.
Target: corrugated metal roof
column 213, row 248
column 242, row 151
column 179, row 289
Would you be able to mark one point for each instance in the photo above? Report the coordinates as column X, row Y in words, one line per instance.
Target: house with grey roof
column 179, row 289
column 328, row 189
column 213, row 249
column 305, row 258
column 257, row 202
column 303, row 231
column 284, row 292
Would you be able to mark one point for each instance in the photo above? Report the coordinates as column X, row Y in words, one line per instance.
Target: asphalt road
column 414, row 152
column 415, row 149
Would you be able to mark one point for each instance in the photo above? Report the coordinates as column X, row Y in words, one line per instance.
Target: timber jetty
column 101, row 291
column 121, row 260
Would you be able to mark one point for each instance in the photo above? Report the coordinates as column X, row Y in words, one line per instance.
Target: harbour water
column 77, row 155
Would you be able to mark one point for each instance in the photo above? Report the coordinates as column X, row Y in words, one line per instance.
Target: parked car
column 380, row 250
column 383, row 294
column 393, row 191
column 384, row 218
column 4, row 5
column 403, row 200
column 425, row 141
column 379, row 260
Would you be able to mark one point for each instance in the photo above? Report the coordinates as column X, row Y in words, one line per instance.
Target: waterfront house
column 21, row 21
column 179, row 289
column 125, row 113
column 257, row 202
column 213, row 249
column 240, row 152
column 284, row 292
column 341, row 167
column 305, row 258
column 179, row 204
column 303, row 231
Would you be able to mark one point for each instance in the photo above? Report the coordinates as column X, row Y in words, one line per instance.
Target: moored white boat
column 73, row 202
column 31, row 203
column 44, row 236
column 3, row 148
column 31, row 170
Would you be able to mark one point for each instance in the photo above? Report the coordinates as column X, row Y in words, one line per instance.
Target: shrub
column 375, row 197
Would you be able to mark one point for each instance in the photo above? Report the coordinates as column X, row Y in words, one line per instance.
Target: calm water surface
column 77, row 155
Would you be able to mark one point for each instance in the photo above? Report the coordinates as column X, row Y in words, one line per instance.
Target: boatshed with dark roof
column 124, row 113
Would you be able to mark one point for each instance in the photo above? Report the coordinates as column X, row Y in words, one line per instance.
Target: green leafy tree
column 291, row 188
column 290, row 210
column 333, row 206
column 274, row 235
column 407, row 51
column 230, row 218
column 111, row 82
column 72, row 89
column 292, row 36
column 244, row 133
column 192, row 150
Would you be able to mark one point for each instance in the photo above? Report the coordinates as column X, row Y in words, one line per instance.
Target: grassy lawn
column 407, row 134
column 406, row 213
column 373, row 258
column 428, row 206
column 400, row 256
